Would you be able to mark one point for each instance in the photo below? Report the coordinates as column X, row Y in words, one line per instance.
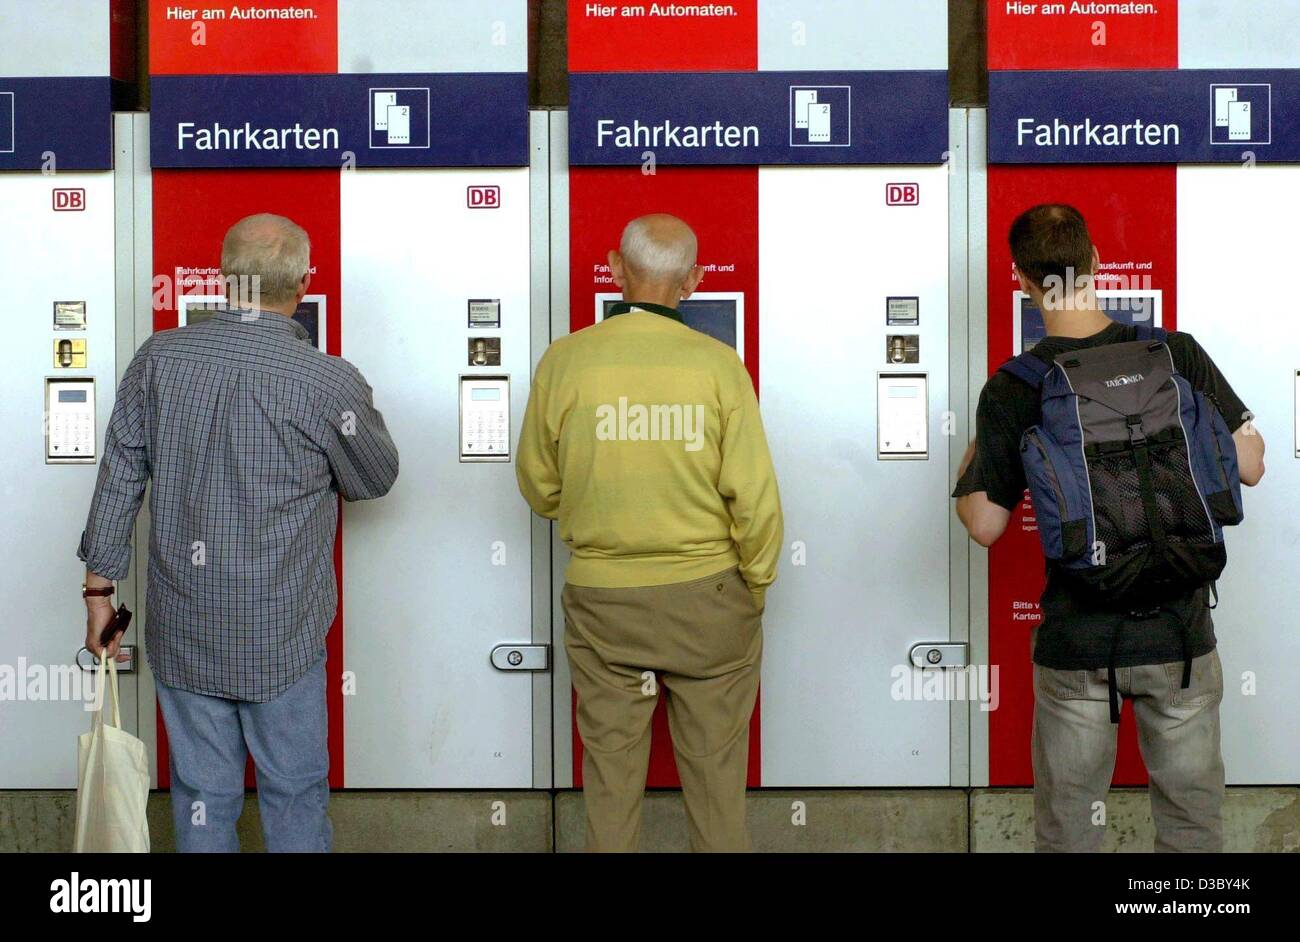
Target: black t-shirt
column 1076, row 631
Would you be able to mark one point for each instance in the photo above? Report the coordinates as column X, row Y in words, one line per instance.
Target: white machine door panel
column 853, row 374
column 57, row 302
column 438, row 573
column 1233, row 228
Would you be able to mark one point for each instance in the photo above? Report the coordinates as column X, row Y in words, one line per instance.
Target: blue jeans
column 209, row 739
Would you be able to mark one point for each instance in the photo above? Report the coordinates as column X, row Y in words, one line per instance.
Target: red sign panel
column 1031, row 36
column 614, row 37
column 220, row 37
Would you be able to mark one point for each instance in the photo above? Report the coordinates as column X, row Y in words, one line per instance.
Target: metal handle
column 938, row 654
column 522, row 657
column 125, row 667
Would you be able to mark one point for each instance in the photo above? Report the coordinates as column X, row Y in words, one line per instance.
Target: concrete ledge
column 415, row 821
column 1256, row 819
column 517, row 821
column 405, row 822
column 37, row 821
column 807, row 820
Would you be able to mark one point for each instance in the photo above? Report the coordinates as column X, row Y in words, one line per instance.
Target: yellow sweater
column 643, row 439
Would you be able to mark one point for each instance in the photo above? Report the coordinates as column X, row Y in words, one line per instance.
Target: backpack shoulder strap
column 1147, row 332
column 1028, row 368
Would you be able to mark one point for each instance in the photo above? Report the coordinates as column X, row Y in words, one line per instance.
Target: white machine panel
column 1230, row 225
column 58, row 264
column 438, row 573
column 864, row 576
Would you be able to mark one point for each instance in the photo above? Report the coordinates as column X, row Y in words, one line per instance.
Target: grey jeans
column 1178, row 731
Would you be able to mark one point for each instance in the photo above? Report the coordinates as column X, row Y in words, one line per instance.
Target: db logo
column 483, row 197
column 69, row 201
column 902, row 194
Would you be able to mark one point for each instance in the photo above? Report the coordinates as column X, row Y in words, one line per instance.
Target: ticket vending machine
column 811, row 148
column 398, row 136
column 65, row 196
column 1189, row 217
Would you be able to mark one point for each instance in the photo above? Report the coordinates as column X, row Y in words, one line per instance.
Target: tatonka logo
column 1125, row 380
column 651, row 423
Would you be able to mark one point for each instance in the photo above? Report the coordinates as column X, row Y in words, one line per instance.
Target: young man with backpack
column 1133, row 447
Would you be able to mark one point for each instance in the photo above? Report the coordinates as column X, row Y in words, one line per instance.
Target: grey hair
column 654, row 258
column 267, row 253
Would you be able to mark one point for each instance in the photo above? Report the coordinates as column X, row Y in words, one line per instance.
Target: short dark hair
column 1051, row 239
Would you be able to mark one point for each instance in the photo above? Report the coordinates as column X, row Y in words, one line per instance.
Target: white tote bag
column 112, row 780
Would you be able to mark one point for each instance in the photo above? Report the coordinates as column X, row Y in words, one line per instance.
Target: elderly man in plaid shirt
column 248, row 434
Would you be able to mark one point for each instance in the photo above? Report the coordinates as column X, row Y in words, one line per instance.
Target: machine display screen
column 308, row 315
column 72, row 395
column 713, row 316
column 1125, row 310
column 485, row 395
column 200, row 309
column 717, row 318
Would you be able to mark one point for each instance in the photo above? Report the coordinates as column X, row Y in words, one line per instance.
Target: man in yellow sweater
column 643, row 439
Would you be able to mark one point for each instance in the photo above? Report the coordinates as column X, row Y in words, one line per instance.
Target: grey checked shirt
column 249, row 434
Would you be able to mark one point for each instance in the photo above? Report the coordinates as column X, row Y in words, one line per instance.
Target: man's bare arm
column 99, row 612
column 984, row 520
column 1250, row 453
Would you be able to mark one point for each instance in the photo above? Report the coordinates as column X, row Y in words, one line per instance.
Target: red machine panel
column 601, row 201
column 192, row 211
column 1131, row 212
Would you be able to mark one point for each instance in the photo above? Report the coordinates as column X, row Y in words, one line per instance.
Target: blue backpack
column 1133, row 473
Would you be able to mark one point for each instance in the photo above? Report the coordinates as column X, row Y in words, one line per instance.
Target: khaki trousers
column 1178, row 731
column 704, row 640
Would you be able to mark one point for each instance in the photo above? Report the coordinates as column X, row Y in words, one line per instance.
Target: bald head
column 655, row 260
column 658, row 249
column 266, row 258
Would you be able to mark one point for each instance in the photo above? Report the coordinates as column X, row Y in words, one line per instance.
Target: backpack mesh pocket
column 1121, row 516
column 1181, row 508
column 1121, row 512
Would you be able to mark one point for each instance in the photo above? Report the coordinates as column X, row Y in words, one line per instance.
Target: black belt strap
column 1184, row 637
column 1112, row 682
